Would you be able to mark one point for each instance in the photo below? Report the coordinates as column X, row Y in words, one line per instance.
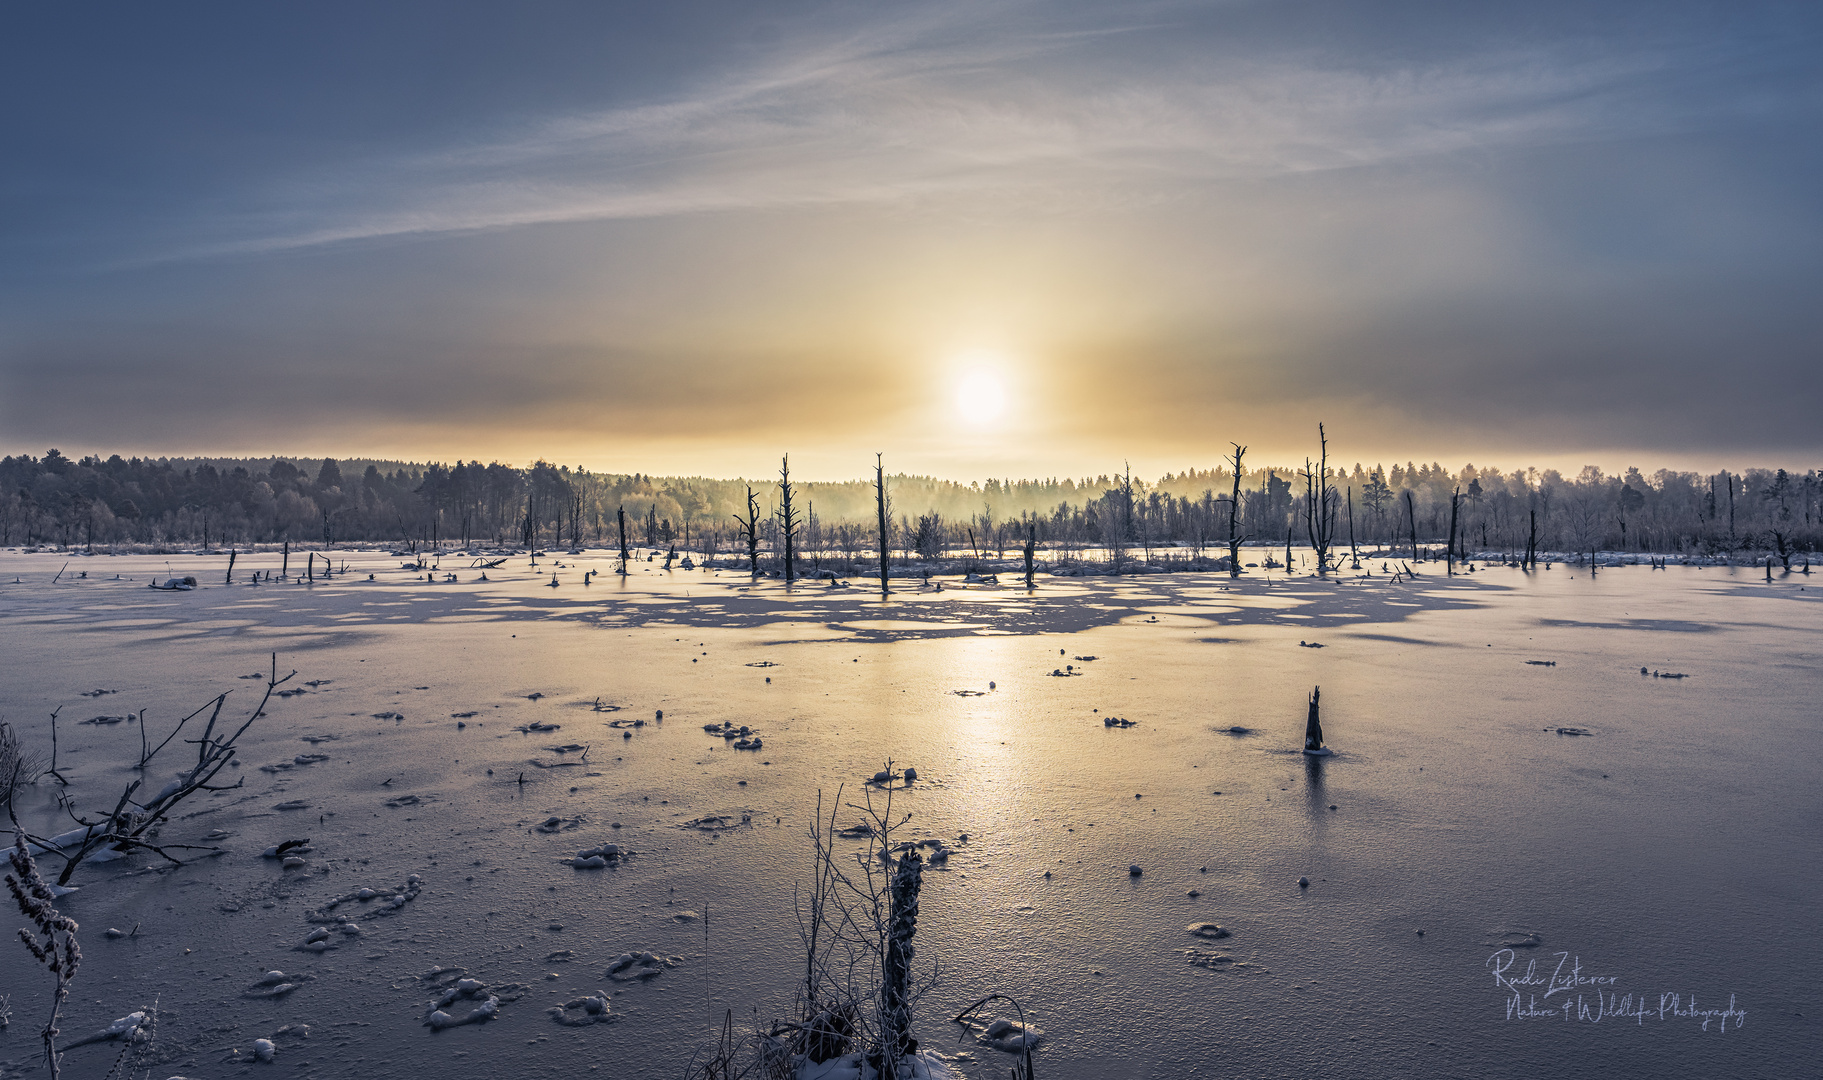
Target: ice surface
column 1463, row 814
column 922, row 1066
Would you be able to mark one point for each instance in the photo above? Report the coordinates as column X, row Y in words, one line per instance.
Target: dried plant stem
column 58, row 951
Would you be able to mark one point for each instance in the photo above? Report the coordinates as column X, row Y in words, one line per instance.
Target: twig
column 129, row 823
column 52, row 771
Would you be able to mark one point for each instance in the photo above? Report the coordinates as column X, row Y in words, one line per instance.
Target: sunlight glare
column 980, row 395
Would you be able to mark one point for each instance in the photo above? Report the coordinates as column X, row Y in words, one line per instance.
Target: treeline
column 54, row 500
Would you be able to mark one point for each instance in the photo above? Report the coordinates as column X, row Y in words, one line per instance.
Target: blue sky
column 685, row 238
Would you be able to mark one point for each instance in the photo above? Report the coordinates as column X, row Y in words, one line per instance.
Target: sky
column 985, row 238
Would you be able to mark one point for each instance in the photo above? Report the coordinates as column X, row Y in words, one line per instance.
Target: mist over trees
column 56, row 501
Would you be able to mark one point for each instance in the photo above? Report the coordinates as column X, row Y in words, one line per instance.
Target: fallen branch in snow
column 131, row 825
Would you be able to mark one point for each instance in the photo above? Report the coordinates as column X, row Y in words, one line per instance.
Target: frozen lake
column 1672, row 850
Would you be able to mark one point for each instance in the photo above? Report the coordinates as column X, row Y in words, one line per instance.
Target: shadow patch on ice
column 1514, row 939
column 1212, row 960
column 296, row 762
column 274, row 984
column 1399, row 639
column 1059, row 607
column 717, row 822
column 640, row 966
column 1676, row 626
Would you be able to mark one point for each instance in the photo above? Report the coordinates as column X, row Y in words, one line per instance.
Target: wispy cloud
column 945, row 104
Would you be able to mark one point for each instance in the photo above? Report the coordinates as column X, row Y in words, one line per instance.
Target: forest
column 92, row 503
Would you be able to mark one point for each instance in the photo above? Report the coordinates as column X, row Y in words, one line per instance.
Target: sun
column 980, row 392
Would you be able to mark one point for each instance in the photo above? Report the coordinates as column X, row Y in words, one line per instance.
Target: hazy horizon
column 768, row 473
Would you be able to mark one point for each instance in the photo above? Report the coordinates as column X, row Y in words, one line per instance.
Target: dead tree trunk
column 1531, row 544
column 1730, row 508
column 285, row 565
column 880, row 505
column 1450, row 555
column 1313, row 727
column 620, row 513
column 1126, row 526
column 230, row 578
column 788, row 519
column 750, row 528
column 1234, row 511
column 1411, row 512
column 1319, row 515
